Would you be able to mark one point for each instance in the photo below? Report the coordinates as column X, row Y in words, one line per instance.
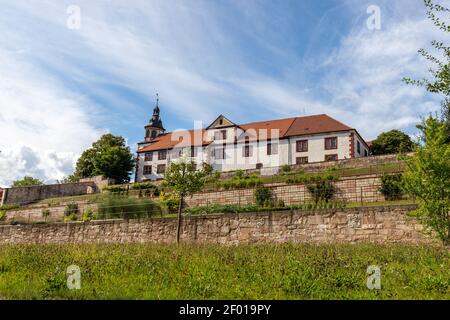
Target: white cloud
column 43, row 128
column 366, row 74
column 198, row 61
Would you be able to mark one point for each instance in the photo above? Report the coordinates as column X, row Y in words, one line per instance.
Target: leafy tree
column 393, row 141
column 427, row 179
column 69, row 179
column 27, row 181
column 440, row 82
column 109, row 156
column 183, row 178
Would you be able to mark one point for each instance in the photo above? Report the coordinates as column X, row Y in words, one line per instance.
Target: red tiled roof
column 177, row 138
column 315, row 124
column 287, row 128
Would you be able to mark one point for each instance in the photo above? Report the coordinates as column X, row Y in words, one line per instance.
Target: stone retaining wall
column 352, row 189
column 376, row 224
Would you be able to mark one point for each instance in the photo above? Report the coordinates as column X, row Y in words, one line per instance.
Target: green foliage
column 321, row 188
column 441, row 73
column 182, row 177
column 263, row 196
column 246, row 183
column 208, row 169
column 392, row 142
column 116, row 207
column 88, row 215
column 427, row 179
column 171, row 202
column 7, row 207
column 71, row 212
column 116, row 189
column 239, row 174
column 392, row 187
column 26, row 181
column 69, row 179
column 218, row 272
column 109, row 156
column 285, row 168
column 146, row 189
column 2, row 215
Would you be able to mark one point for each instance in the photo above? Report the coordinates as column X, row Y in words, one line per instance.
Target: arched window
column 154, row 134
column 147, row 133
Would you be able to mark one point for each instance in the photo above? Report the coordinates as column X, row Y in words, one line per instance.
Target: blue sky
column 250, row 60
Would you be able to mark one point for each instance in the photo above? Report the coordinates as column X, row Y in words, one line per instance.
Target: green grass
column 145, row 271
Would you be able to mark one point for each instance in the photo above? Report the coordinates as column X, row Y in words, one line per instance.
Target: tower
column 154, row 127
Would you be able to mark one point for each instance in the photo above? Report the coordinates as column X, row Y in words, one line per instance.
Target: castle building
column 228, row 146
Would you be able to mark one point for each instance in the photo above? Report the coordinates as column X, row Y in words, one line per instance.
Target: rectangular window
column 247, row 151
column 162, row 155
column 331, row 157
column 358, row 147
column 365, row 153
column 272, row 148
column 219, row 153
column 302, row 146
column 147, row 169
column 301, row 160
column 148, row 156
column 161, row 168
column 330, row 143
column 259, row 165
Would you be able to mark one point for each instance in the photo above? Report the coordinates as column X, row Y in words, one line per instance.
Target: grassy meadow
column 266, row 271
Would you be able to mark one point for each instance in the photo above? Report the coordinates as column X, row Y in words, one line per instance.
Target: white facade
column 227, row 150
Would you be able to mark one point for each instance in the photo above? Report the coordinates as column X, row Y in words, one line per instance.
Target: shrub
column 71, row 211
column 118, row 189
column 238, row 174
column 321, row 188
column 2, row 215
column 285, row 168
column 88, row 215
column 392, row 187
column 262, row 195
column 114, row 207
column 171, row 202
column 248, row 182
column 7, row 207
column 146, row 189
